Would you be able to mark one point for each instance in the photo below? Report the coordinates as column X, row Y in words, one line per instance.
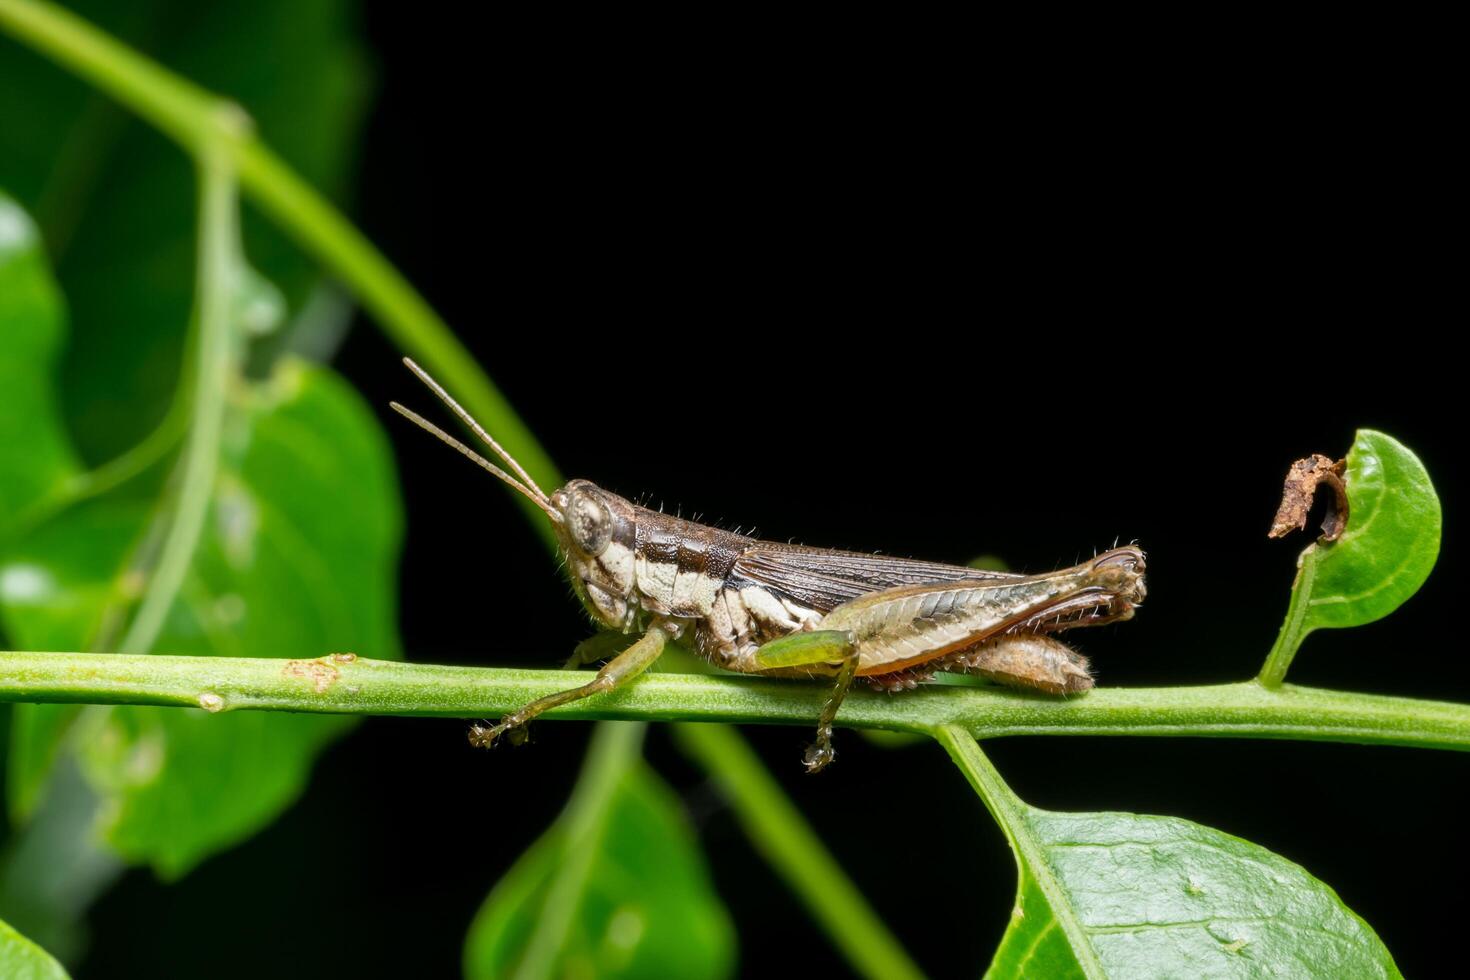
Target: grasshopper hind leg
column 1027, row 661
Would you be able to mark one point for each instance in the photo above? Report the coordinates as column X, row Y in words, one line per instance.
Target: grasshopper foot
column 820, row 753
column 483, row 736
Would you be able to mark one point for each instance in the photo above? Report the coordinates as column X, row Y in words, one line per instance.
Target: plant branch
column 344, row 684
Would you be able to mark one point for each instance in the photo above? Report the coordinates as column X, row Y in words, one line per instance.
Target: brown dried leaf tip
column 1300, row 489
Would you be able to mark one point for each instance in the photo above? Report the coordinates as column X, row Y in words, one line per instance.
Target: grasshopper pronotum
column 760, row 607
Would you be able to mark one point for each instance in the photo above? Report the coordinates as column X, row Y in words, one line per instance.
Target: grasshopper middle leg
column 616, row 672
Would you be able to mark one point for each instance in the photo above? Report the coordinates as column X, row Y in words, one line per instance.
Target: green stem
column 1009, row 811
column 218, row 266
column 134, row 462
column 343, row 684
column 614, row 749
column 1291, row 635
column 108, row 476
column 780, row 833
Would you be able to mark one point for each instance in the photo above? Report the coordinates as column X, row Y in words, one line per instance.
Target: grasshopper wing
column 823, row 580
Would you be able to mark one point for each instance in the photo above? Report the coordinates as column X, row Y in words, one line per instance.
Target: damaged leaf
column 1379, row 560
column 1301, row 489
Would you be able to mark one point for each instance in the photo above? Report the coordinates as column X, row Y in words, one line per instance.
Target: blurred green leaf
column 297, row 560
column 1382, row 558
column 35, row 456
column 36, row 459
column 113, row 197
column 36, row 733
column 648, row 908
column 60, row 583
column 21, row 959
column 1133, row 895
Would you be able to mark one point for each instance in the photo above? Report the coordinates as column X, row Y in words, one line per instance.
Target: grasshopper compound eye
column 589, row 522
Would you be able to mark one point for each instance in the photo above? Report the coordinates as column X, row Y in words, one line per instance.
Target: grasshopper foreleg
column 616, row 672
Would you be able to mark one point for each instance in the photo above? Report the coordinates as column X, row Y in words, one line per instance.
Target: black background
column 894, row 302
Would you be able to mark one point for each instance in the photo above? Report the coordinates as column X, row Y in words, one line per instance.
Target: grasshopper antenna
column 537, row 498
column 469, row 420
column 532, row 492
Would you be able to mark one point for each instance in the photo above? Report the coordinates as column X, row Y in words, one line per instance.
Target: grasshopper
column 786, row 610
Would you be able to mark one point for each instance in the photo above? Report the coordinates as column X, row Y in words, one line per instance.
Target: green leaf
column 297, row 560
column 21, row 959
column 647, row 908
column 36, row 734
column 1132, row 895
column 36, row 458
column 1382, row 558
column 1160, row 896
column 113, row 197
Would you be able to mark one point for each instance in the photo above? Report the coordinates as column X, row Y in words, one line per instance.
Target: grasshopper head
column 597, row 532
